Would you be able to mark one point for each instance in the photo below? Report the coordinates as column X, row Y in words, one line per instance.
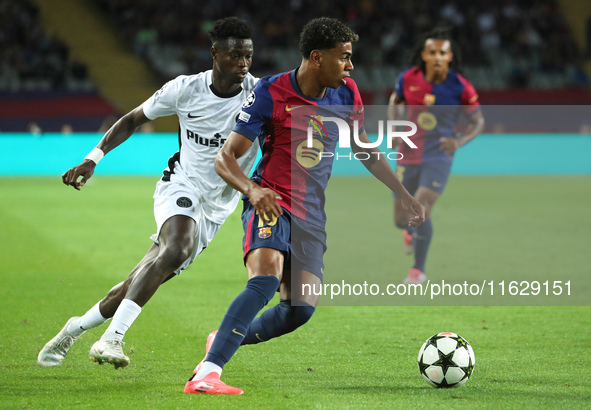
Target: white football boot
column 109, row 351
column 57, row 348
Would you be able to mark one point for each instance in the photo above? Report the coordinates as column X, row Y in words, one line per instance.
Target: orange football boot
column 211, row 384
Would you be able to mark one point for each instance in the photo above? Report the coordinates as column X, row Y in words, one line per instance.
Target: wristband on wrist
column 95, row 155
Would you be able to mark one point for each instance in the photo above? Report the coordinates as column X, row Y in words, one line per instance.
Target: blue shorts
column 302, row 243
column 432, row 175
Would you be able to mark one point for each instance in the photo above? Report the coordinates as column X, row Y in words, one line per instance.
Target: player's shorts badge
column 184, row 202
column 264, row 232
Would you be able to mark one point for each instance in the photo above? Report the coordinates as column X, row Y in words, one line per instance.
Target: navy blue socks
column 276, row 321
column 240, row 314
column 421, row 239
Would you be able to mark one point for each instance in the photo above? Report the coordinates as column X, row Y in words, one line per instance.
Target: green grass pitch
column 63, row 249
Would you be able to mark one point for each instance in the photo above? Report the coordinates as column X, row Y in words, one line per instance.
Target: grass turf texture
column 486, row 229
column 62, row 250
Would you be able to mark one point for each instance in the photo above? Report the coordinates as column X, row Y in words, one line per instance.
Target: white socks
column 206, row 368
column 126, row 313
column 89, row 320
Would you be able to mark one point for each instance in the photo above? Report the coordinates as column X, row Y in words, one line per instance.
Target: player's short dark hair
column 230, row 27
column 438, row 33
column 324, row 33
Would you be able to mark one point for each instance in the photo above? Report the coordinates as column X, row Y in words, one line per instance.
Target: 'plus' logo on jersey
column 216, row 142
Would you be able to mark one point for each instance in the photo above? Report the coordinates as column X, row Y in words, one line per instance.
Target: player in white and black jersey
column 190, row 202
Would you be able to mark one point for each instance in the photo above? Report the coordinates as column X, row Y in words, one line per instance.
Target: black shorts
column 302, row 243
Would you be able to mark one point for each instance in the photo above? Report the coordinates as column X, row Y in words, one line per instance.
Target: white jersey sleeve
column 206, row 119
column 164, row 101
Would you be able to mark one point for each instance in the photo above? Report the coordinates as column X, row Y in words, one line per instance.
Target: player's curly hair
column 234, row 27
column 324, row 33
column 439, row 33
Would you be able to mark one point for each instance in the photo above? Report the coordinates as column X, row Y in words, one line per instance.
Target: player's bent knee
column 174, row 256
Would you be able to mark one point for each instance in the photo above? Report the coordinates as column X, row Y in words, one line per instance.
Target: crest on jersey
column 249, row 100
column 429, row 99
column 265, row 232
column 309, row 152
column 315, row 123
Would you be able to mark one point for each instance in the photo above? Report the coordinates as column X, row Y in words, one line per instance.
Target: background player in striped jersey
column 190, row 202
column 435, row 95
column 283, row 217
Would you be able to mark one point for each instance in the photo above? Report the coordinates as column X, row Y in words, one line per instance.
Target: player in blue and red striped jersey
column 436, row 95
column 283, row 215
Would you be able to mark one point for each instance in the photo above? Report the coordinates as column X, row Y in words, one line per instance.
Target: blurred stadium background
column 77, row 65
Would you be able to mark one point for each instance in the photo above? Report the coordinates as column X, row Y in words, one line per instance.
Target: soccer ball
column 446, row 360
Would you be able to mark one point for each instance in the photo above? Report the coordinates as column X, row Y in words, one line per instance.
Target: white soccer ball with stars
column 446, row 360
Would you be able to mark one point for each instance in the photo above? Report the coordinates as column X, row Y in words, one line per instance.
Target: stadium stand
column 41, row 86
column 32, row 59
column 514, row 51
column 506, row 44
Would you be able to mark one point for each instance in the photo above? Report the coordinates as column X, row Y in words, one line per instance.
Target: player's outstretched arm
column 116, row 135
column 395, row 112
column 381, row 169
column 395, row 107
column 475, row 127
column 264, row 200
